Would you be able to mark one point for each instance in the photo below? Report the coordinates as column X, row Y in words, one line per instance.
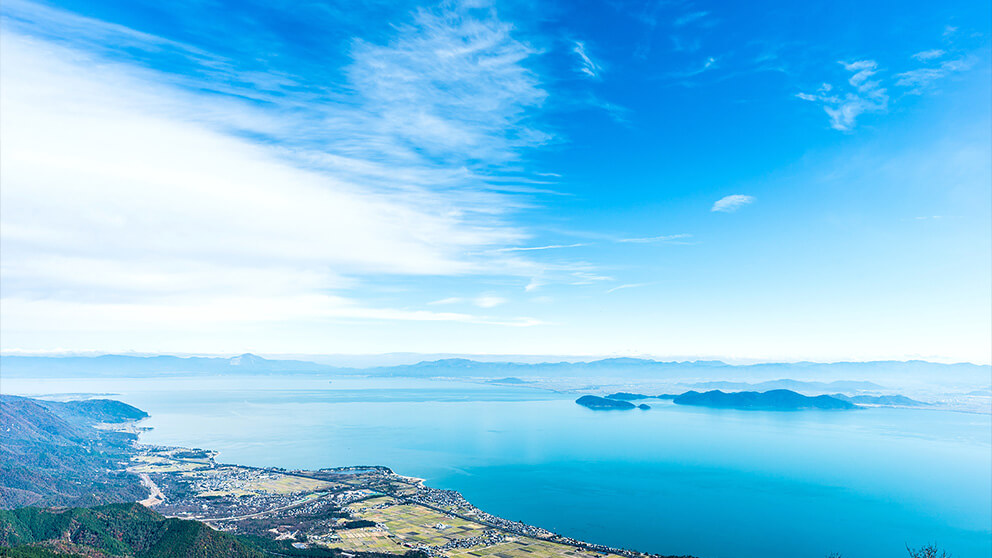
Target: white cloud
column 125, row 200
column 587, row 66
column 689, row 18
column 866, row 96
column 482, row 301
column 59, row 316
column 534, row 248
column 489, row 301
column 450, row 83
column 863, row 69
column 729, row 204
column 920, row 79
column 928, row 55
column 446, row 301
column 628, row 286
column 681, row 238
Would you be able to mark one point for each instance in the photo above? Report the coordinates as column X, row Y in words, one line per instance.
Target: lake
column 671, row 480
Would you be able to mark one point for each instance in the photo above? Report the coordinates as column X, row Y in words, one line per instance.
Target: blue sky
column 760, row 181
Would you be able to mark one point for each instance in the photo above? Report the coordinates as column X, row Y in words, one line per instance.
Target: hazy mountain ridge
column 124, row 365
column 17, row 365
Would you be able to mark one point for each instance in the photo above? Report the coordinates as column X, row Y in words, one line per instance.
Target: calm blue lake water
column 712, row 483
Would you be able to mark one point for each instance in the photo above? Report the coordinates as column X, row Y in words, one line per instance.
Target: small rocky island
column 604, row 404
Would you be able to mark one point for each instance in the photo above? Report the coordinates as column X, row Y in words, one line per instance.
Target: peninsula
column 196, row 507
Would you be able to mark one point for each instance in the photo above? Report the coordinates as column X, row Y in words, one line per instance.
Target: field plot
column 369, row 539
column 419, row 525
column 371, row 503
column 523, row 547
column 157, row 464
column 284, row 484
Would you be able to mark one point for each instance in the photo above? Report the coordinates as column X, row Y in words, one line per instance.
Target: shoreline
column 413, row 492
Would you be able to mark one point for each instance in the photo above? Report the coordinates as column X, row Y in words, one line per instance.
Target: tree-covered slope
column 116, row 530
column 777, row 399
column 53, row 455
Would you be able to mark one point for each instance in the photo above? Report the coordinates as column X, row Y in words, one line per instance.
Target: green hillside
column 53, row 455
column 113, row 530
column 134, row 531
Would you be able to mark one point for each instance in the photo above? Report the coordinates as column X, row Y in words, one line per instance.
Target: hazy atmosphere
column 768, row 181
column 495, row 279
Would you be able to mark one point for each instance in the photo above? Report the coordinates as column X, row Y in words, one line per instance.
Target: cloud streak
column 731, row 203
column 536, row 248
column 586, row 66
column 628, row 286
column 682, row 238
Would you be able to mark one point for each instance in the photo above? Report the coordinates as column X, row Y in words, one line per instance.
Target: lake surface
column 672, row 480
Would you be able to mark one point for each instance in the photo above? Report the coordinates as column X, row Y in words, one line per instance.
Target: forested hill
column 114, row 530
column 777, row 399
column 54, row 455
column 135, row 531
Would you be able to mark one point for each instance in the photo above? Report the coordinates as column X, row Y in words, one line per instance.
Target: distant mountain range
column 837, row 385
column 124, row 365
column 830, row 376
column 883, row 400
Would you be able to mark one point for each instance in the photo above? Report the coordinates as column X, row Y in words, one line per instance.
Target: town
column 358, row 509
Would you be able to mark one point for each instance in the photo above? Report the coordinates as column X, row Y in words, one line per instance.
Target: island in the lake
column 774, row 400
column 604, row 403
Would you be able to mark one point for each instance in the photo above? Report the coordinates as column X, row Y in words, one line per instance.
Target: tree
column 927, row 551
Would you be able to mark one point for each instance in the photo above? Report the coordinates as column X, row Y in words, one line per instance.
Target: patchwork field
column 523, row 547
column 420, row 525
column 156, row 464
column 371, row 539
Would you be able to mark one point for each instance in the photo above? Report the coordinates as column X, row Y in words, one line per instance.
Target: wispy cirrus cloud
column 586, row 64
column 926, row 55
column 535, row 248
column 865, row 92
column 681, row 238
column 481, row 301
column 628, row 286
column 689, row 18
column 129, row 190
column 921, row 79
column 731, row 203
column 863, row 95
